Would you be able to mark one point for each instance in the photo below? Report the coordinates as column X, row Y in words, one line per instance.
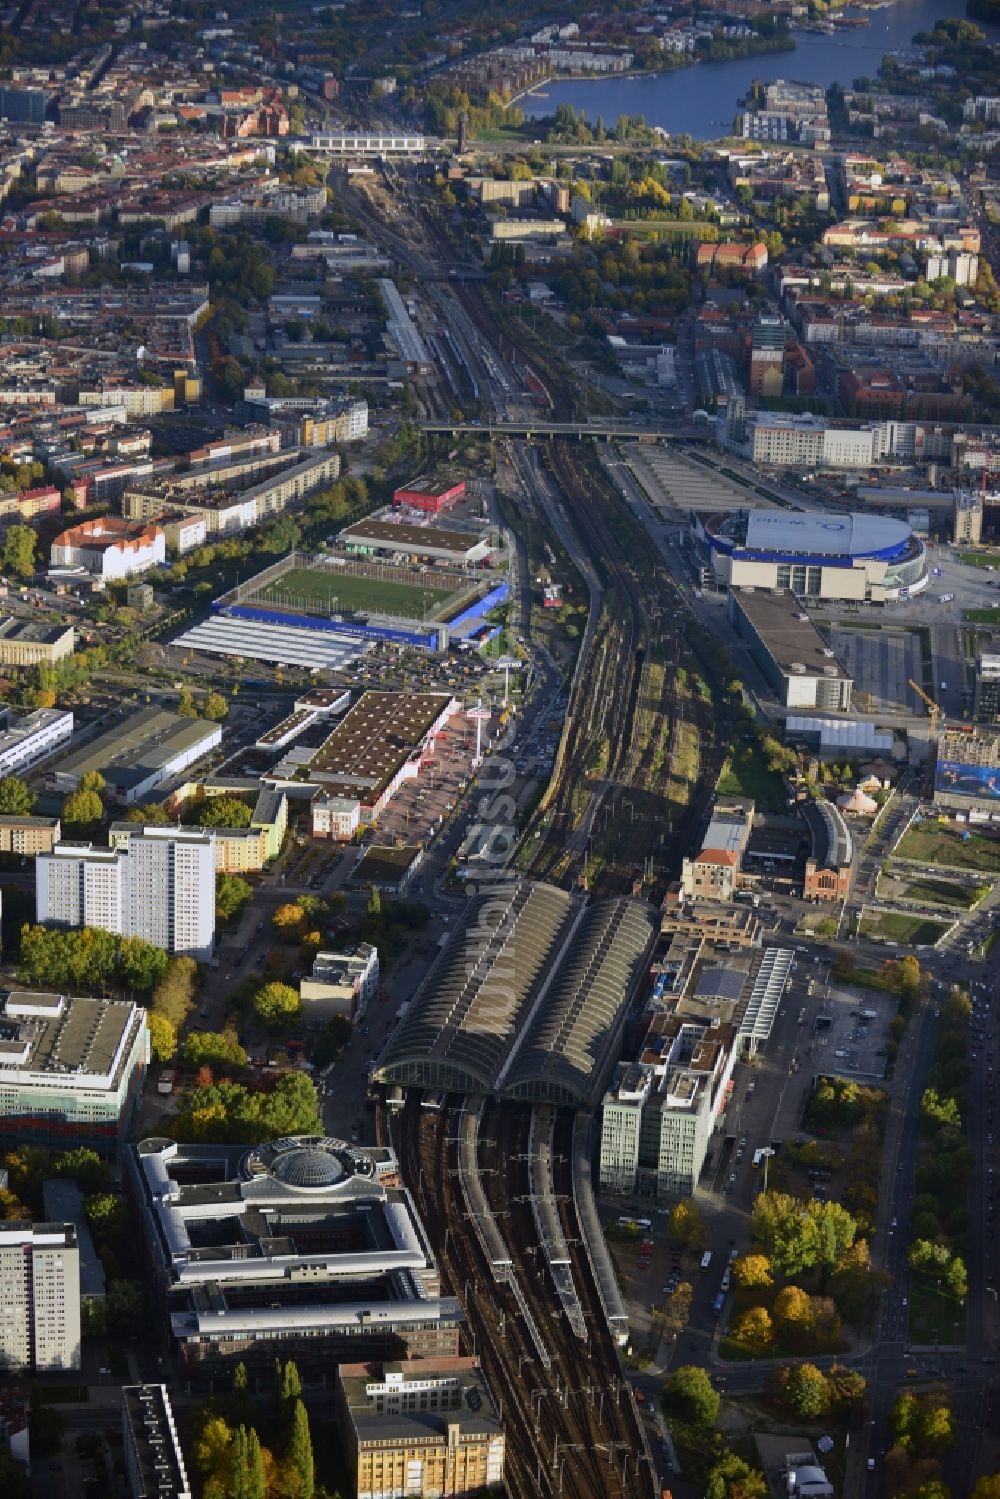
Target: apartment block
column 39, row 1297
column 159, row 886
column 28, row 835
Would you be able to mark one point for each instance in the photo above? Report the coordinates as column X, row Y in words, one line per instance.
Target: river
column 702, row 100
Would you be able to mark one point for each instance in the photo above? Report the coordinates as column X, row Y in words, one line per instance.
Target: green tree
column 106, row 1214
column 687, row 1225
column 238, row 1457
column 988, row 1487
column 82, row 808
column 19, row 551
column 939, row 1110
column 123, row 1307
column 92, row 780
column 807, row 1391
column 173, row 994
column 85, row 1167
column 751, row 1270
column 374, row 900
column 16, row 797
column 232, row 893
column 732, row 1478
column 291, row 1384
column 162, row 1037
column 225, row 812
column 141, row 964
column 847, row 1386
column 185, row 704
column 255, row 1486
column 688, row 1395
column 151, row 814
column 214, row 707
column 300, row 1453
column 277, row 1004
column 957, row 1278
column 936, row 1433
column 203, row 1048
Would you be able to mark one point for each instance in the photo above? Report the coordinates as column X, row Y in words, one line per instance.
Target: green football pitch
column 331, row 591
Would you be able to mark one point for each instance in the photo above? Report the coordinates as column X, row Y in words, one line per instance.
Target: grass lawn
column 935, row 1317
column 946, row 893
column 932, row 843
column 746, row 774
column 339, row 592
column 894, row 926
column 982, row 616
column 980, row 559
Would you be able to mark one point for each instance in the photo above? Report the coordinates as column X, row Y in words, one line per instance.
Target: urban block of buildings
column 139, row 754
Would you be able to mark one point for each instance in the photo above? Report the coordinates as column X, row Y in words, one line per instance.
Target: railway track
column 571, row 1428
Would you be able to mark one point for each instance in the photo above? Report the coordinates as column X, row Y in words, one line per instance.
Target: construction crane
column 934, row 710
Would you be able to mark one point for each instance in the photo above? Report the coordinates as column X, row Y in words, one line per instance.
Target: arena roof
column 824, row 534
column 525, row 999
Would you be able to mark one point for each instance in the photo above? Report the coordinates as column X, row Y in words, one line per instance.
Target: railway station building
column 537, row 1015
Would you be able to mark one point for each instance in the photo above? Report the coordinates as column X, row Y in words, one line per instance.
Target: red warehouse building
column 430, row 495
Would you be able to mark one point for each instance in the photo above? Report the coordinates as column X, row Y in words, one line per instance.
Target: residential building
column 340, row 984
column 71, row 1069
column 136, row 755
column 109, row 548
column 27, row 741
column 800, row 666
column 426, row 1427
column 29, row 642
column 159, row 886
column 337, row 817
column 28, row 835
column 304, row 1248
column 967, row 517
column 39, row 1297
column 154, row 1461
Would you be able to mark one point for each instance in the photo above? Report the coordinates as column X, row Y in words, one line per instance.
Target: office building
column 137, row 754
column 340, row 984
column 967, row 517
column 28, row 835
column 305, row 1248
column 426, row 1427
column 39, row 1297
column 154, row 1462
column 767, row 357
column 796, row 660
column 27, row 741
column 159, row 886
column 71, row 1069
column 967, row 776
column 986, row 702
column 29, row 642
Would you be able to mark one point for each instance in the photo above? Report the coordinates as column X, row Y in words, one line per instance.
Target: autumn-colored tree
column 754, row 1327
column 687, row 1225
column 752, row 1270
column 807, row 1391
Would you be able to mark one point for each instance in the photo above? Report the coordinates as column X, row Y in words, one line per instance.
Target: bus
column 625, row 1222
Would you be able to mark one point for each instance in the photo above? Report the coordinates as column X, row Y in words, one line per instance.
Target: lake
column 703, row 99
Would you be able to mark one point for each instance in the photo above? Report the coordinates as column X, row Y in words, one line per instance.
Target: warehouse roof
column 524, row 999
column 145, row 741
column 404, row 536
column 374, row 740
column 788, row 634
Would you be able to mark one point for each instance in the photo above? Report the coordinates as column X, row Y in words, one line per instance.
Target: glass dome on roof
column 308, row 1167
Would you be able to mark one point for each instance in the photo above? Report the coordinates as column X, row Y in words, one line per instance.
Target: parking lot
column 851, row 1032
column 420, row 806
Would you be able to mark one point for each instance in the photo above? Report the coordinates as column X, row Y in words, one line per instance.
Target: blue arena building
column 815, row 554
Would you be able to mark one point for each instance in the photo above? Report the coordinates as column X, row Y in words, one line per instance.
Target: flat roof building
column 795, row 658
column 154, row 1462
column 424, row 1427
column 28, row 642
column 373, row 535
column 28, row 741
column 138, row 754
column 378, row 744
column 28, row 835
column 304, row 1248
column 71, row 1069
column 986, row 701
column 967, row 777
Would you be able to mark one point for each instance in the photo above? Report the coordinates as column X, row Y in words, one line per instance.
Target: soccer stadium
column 321, row 610
column 815, row 554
